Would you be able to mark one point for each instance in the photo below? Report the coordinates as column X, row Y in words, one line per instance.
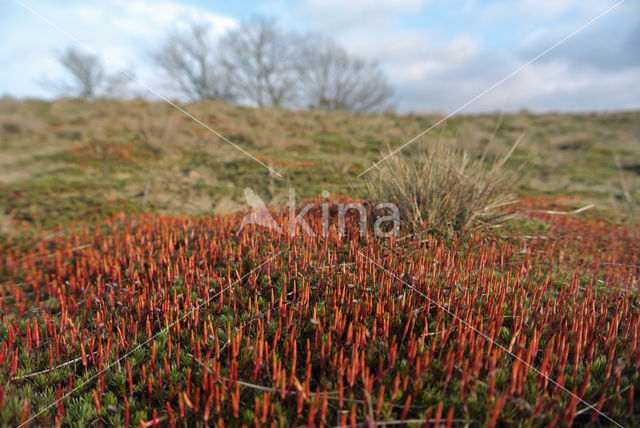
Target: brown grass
column 443, row 189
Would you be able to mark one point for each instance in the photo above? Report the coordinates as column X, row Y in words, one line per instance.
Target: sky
column 440, row 56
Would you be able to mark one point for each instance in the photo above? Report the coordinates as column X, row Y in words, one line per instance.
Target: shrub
column 443, row 189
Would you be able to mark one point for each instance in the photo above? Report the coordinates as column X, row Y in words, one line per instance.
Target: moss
column 53, row 201
column 330, row 143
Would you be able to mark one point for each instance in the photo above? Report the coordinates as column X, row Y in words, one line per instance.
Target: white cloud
column 343, row 19
column 359, row 10
column 431, row 68
column 425, row 60
column 162, row 15
column 537, row 12
column 436, row 70
column 121, row 31
column 541, row 86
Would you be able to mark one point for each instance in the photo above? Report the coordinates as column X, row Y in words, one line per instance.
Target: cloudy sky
column 438, row 54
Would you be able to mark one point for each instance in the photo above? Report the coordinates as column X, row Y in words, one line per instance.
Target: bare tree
column 85, row 70
column 188, row 57
column 261, row 60
column 333, row 79
column 262, row 64
column 86, row 77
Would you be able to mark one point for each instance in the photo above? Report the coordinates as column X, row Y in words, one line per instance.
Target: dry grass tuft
column 443, row 189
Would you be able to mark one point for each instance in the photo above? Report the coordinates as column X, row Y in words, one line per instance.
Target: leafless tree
column 333, row 79
column 86, row 77
column 261, row 60
column 189, row 58
column 85, row 70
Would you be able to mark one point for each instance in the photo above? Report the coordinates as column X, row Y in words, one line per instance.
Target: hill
column 72, row 158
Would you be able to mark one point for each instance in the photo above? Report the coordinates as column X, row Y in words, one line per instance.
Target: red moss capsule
column 96, row 401
column 126, row 411
column 14, row 364
column 499, row 403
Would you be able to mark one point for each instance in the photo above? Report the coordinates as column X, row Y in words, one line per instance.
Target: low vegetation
column 73, row 159
column 182, row 321
column 127, row 300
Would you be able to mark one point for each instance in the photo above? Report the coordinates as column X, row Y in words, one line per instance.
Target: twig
column 495, row 132
column 418, row 421
column 623, row 184
column 586, row 409
column 579, row 210
column 614, row 264
column 145, row 194
column 413, row 421
column 46, row 256
column 49, row 370
column 256, row 386
column 371, row 418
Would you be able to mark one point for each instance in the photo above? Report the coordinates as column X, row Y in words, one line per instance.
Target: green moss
column 330, row 143
column 54, row 201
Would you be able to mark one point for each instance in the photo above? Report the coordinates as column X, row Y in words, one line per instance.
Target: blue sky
column 438, row 54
